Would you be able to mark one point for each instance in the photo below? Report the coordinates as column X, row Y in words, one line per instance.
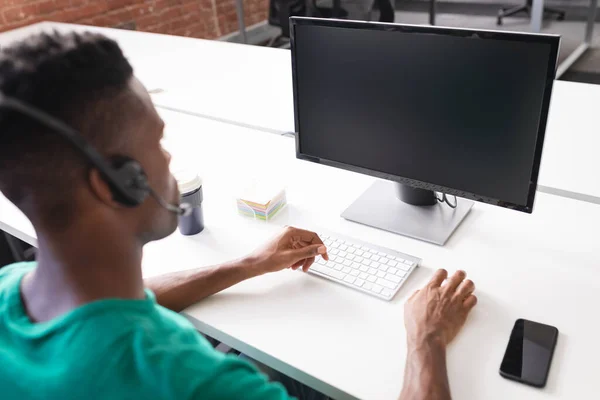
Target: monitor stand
column 407, row 211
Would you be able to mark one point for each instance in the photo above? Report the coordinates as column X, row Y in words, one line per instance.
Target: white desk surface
column 542, row 267
column 252, row 86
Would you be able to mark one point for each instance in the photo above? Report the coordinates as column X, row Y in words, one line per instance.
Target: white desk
column 542, row 266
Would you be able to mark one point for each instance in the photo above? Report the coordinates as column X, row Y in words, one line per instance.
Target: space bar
column 328, row 271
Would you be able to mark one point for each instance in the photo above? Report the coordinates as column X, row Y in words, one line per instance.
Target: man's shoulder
column 16, row 269
column 10, row 276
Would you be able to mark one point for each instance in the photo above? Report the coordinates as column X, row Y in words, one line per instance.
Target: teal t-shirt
column 115, row 349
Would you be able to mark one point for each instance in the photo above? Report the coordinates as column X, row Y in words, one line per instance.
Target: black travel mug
column 190, row 187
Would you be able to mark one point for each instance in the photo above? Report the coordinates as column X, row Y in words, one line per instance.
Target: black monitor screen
column 466, row 113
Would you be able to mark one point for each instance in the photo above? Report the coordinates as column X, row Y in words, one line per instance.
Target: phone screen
column 529, row 352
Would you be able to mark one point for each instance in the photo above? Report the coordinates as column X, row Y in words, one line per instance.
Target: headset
column 125, row 176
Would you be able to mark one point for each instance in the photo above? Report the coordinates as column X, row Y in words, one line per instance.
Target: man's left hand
column 293, row 248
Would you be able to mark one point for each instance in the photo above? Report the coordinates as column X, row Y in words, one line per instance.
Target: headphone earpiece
column 125, row 176
column 133, row 185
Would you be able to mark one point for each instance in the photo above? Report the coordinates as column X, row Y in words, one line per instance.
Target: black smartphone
column 529, row 353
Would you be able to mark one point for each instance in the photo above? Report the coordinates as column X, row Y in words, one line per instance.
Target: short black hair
column 67, row 76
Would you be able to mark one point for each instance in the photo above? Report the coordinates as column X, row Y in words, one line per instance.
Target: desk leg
column 239, row 4
column 431, row 12
column 585, row 45
column 537, row 16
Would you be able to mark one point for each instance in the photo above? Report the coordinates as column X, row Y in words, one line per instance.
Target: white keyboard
column 372, row 269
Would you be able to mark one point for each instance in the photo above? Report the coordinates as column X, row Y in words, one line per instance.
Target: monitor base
column 380, row 207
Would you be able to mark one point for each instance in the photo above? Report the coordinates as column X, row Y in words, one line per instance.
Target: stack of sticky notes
column 261, row 201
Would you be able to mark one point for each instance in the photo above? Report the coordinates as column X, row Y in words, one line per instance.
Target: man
column 81, row 322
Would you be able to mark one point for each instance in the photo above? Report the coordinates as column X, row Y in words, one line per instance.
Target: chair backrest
column 280, row 12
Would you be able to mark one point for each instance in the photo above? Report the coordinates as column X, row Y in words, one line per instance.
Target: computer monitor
column 433, row 110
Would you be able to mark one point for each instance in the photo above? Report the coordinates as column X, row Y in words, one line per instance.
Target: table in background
column 543, row 267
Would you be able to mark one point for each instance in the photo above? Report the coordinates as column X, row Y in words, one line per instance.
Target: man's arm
column 293, row 248
column 425, row 376
column 433, row 317
column 179, row 290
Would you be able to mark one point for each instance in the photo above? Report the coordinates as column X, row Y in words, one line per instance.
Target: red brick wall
column 195, row 18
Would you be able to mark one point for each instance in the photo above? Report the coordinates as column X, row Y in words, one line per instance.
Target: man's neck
column 81, row 266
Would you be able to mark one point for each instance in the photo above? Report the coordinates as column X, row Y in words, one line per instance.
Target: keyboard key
column 343, row 247
column 409, row 263
column 350, row 257
column 362, row 275
column 359, row 252
column 334, row 251
column 384, row 260
column 386, row 283
column 367, row 285
column 383, row 267
column 327, row 242
column 375, row 264
column 376, row 289
column 393, row 278
column 365, row 248
column 358, row 259
column 359, row 282
column 346, row 270
column 351, row 250
column 321, row 261
column 335, row 245
column 355, row 272
column 349, row 279
column 328, row 271
column 401, row 273
column 372, row 271
column 391, row 263
column 375, row 258
column 393, row 270
column 372, row 278
column 380, row 274
column 340, row 241
column 338, row 267
column 386, row 292
column 356, row 265
column 403, row 267
column 343, row 254
column 364, row 268
column 331, row 264
column 347, row 263
column 381, row 254
column 367, row 255
column 366, row 262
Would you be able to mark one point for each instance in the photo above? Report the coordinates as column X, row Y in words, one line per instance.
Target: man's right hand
column 437, row 313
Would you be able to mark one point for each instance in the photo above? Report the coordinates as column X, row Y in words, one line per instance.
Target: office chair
column 281, row 10
column 386, row 10
column 19, row 251
column 507, row 12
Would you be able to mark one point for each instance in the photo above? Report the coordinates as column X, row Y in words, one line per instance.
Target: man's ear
column 101, row 189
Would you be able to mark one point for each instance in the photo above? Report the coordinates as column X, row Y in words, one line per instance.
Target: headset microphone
column 183, row 210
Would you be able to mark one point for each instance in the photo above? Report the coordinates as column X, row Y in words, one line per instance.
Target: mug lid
column 187, row 181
